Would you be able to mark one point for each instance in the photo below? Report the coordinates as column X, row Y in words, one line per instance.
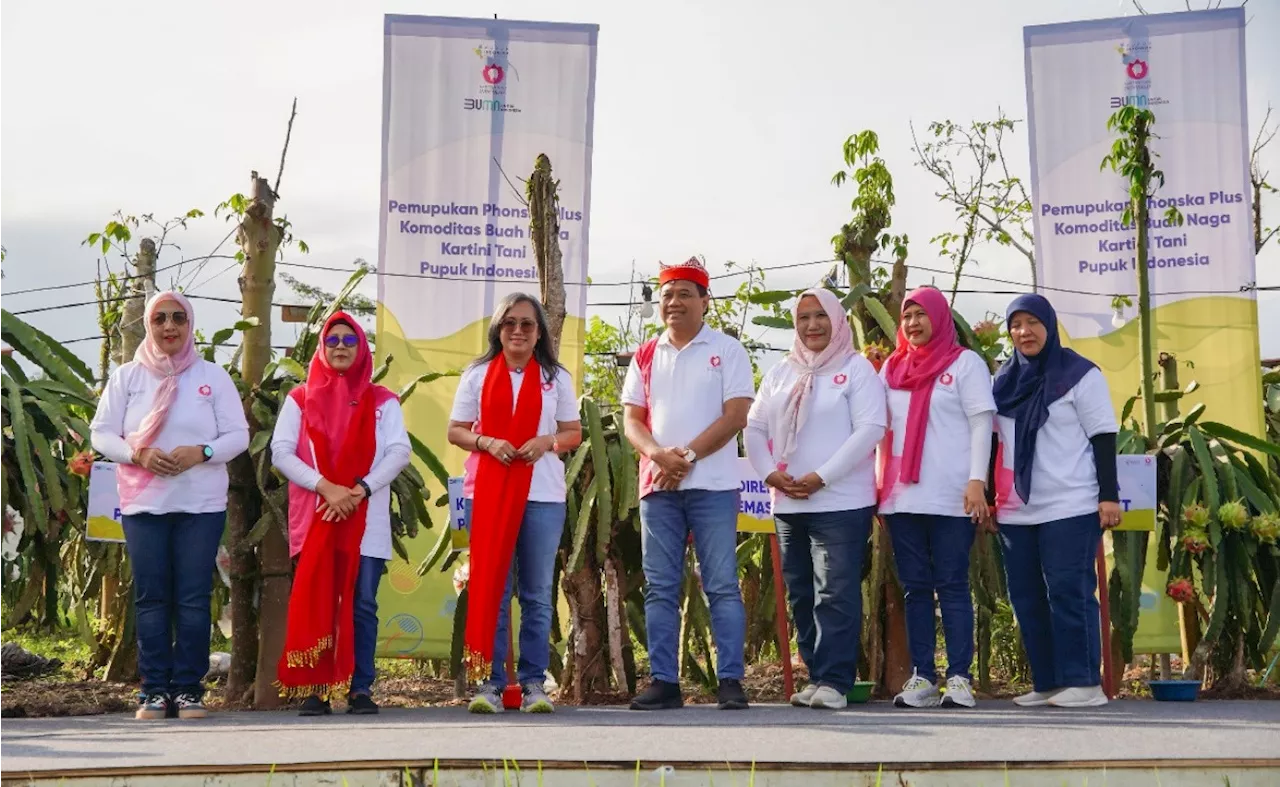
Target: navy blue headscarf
column 1025, row 387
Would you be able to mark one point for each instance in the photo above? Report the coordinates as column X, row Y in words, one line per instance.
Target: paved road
column 993, row 733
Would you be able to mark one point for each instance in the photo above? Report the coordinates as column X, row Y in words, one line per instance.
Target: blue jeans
column 532, row 572
column 822, row 563
column 932, row 556
column 1052, row 581
column 666, row 520
column 366, row 623
column 172, row 556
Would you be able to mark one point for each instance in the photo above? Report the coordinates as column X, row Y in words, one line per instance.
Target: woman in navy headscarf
column 1056, row 491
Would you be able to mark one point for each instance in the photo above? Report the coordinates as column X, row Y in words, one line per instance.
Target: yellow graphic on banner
column 104, row 528
column 417, row 612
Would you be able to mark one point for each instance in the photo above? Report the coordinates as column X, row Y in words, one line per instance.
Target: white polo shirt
column 964, row 389
column 845, row 400
column 1064, row 478
column 558, row 404
column 687, row 391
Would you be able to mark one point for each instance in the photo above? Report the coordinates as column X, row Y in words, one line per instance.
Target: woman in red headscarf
column 340, row 441
column 933, row 488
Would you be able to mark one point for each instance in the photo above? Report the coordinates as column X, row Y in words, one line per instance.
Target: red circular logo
column 493, row 73
column 205, row 390
column 840, row 379
column 1137, row 69
column 547, row 386
column 715, row 360
column 946, row 378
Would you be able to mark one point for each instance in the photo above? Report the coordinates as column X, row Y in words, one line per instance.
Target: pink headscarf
column 132, row 479
column 915, row 369
column 788, row 423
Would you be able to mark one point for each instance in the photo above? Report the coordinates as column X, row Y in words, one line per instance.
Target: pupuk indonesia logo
column 1135, row 57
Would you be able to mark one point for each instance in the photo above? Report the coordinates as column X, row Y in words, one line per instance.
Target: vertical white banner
column 468, row 106
column 1189, row 70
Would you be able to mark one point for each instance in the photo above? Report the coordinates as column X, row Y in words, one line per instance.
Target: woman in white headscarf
column 812, row 434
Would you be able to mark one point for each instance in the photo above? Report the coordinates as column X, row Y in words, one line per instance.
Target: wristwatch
column 367, row 492
column 555, row 444
column 690, row 455
column 207, row 450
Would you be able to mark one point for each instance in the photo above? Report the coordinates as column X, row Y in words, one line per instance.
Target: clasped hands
column 170, row 463
column 795, row 488
column 506, row 453
column 339, row 502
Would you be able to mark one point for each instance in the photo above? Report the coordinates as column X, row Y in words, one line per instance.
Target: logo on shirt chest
column 546, row 387
column 204, row 390
column 840, row 379
column 714, row 363
column 946, row 379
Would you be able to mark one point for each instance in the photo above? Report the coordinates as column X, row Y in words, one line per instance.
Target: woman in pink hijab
column 932, row 488
column 171, row 421
column 811, row 435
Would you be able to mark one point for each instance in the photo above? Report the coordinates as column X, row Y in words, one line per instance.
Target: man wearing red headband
column 686, row 395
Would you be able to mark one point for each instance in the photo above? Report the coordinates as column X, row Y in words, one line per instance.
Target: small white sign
column 458, row 515
column 104, row 505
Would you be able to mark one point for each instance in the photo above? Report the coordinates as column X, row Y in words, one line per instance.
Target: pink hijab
column 132, row 479
column 786, row 424
column 915, row 369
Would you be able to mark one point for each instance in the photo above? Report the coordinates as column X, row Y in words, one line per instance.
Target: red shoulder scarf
column 339, row 420
column 498, row 506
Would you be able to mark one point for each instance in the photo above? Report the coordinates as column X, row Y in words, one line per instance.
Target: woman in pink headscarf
column 171, row 421
column 932, row 488
column 811, row 434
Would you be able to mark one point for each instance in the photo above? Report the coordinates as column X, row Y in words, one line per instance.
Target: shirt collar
column 703, row 336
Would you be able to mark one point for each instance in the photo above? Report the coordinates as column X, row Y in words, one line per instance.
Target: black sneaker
column 314, row 706
column 361, row 704
column 731, row 696
column 153, row 706
column 659, row 696
column 190, row 706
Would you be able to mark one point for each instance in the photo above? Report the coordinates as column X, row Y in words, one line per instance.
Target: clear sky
column 718, row 126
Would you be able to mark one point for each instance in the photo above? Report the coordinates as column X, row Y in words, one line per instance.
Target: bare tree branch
column 288, row 132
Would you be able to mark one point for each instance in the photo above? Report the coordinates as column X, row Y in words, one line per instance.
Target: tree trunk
column 544, row 226
column 897, row 654
column 1146, row 353
column 897, row 286
column 259, row 239
column 617, row 620
column 243, row 489
column 587, row 614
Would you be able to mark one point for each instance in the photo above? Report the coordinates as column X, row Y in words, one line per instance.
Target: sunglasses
column 160, row 318
column 346, row 340
column 512, row 324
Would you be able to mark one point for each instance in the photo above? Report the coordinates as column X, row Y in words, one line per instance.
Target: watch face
column 208, row 452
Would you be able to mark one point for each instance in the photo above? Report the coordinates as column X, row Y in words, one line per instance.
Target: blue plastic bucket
column 1174, row 690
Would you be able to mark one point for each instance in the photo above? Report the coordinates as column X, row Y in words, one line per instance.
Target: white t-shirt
column 558, row 404
column 1064, row 478
column 850, row 398
column 964, row 389
column 207, row 411
column 390, row 456
column 687, row 391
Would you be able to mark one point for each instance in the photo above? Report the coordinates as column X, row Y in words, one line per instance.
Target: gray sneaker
column 488, row 700
column 536, row 700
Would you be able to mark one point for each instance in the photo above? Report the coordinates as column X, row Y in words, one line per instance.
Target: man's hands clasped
column 672, row 468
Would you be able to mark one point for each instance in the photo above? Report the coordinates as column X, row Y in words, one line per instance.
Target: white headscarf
column 786, row 424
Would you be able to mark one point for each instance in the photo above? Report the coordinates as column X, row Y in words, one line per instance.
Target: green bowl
column 861, row 691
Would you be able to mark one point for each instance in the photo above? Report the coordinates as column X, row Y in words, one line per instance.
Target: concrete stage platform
column 1127, row 742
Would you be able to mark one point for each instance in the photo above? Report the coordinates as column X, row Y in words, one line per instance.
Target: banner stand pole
column 1104, row 604
column 780, row 613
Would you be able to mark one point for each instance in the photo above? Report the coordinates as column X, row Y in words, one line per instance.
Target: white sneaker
column 801, row 698
column 828, row 698
column 1035, row 699
column 1079, row 697
column 959, row 693
column 918, row 693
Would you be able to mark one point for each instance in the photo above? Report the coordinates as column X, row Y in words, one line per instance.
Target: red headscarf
column 339, row 422
column 915, row 369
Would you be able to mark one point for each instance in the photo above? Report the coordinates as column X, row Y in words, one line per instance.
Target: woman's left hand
column 1110, row 515
column 533, row 450
column 975, row 501
column 187, row 457
column 806, row 485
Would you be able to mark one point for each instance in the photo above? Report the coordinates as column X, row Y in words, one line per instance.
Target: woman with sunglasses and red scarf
column 340, row 441
column 515, row 410
column 171, row 421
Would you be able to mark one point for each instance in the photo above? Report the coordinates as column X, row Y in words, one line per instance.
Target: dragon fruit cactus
column 1181, row 590
column 876, row 353
column 1266, row 528
column 1196, row 516
column 1233, row 515
column 987, row 331
column 1195, row 541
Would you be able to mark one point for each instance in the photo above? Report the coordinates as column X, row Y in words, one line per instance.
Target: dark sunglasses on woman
column 160, row 318
column 347, row 340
